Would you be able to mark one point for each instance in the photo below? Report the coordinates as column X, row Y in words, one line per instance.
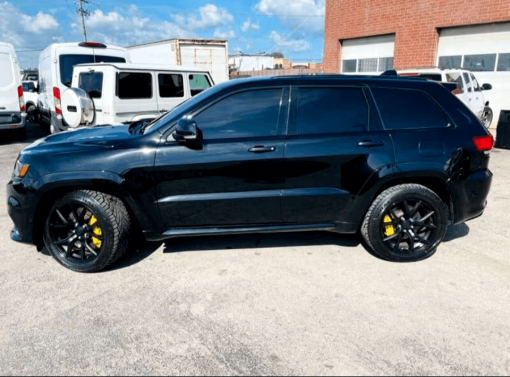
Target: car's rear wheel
column 87, row 231
column 405, row 223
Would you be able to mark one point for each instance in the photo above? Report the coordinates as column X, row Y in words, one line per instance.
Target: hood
column 102, row 136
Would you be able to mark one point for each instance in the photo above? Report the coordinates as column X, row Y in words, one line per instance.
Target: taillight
column 58, row 103
column 484, row 143
column 457, row 91
column 21, row 98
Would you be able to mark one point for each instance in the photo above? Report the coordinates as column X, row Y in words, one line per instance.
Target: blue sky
column 293, row 27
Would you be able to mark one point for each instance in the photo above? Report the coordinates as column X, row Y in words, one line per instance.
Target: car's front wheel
column 405, row 223
column 87, row 231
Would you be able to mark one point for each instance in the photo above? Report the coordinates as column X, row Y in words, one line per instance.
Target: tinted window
column 408, row 109
column 170, row 85
column 246, row 114
column 67, row 62
column 92, row 83
column 504, row 62
column 349, row 65
column 480, row 62
column 331, row 110
column 450, row 61
column 134, row 85
column 6, row 78
column 198, row 83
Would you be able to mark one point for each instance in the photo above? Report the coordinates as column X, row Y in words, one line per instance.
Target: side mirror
column 186, row 130
column 486, row 87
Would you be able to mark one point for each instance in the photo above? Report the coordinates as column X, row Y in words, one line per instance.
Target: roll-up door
column 371, row 55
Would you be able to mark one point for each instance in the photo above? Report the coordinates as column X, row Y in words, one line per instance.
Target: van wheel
column 31, row 114
column 87, row 231
column 405, row 223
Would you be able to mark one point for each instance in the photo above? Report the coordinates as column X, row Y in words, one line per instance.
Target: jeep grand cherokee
column 397, row 159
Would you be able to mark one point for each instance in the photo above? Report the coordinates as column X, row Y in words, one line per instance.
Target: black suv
column 397, row 159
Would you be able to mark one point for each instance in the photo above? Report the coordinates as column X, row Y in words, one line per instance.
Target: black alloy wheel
column 86, row 231
column 405, row 223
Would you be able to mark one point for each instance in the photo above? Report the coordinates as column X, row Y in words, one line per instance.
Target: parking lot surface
column 294, row 304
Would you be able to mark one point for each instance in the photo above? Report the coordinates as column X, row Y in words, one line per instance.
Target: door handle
column 163, row 111
column 261, row 149
column 371, row 143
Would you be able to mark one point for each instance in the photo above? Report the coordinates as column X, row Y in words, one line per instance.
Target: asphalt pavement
column 294, row 304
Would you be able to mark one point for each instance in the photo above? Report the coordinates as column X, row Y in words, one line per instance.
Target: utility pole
column 83, row 12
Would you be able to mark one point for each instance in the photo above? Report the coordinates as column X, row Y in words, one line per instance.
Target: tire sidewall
column 375, row 223
column 108, row 241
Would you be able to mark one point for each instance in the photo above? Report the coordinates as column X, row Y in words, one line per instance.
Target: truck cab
column 125, row 93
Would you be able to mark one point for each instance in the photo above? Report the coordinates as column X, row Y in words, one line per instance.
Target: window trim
column 451, row 124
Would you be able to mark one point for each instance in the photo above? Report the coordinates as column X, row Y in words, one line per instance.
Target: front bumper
column 21, row 206
column 11, row 120
column 469, row 195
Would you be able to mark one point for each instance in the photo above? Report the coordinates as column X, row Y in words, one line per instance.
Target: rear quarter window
column 408, row 109
column 6, row 77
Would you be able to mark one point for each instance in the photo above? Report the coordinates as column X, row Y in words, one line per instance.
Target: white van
column 125, row 93
column 56, row 70
column 12, row 104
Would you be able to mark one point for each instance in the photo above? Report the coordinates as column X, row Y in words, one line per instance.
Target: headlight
column 20, row 170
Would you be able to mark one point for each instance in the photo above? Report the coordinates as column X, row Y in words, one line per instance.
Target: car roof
column 147, row 67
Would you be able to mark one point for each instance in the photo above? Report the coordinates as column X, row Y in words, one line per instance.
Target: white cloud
column 247, row 25
column 41, row 22
column 308, row 15
column 293, row 45
column 210, row 17
column 224, row 34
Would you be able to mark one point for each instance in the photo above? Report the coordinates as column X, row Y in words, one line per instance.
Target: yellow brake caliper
column 96, row 230
column 389, row 229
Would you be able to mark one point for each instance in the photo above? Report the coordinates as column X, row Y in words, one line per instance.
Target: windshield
column 67, row 63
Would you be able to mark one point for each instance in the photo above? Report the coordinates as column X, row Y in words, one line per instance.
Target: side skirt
column 208, row 231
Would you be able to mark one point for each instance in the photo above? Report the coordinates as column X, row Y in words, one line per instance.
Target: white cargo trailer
column 205, row 54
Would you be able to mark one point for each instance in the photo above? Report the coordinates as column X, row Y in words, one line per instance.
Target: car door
column 171, row 90
column 331, row 151
column 232, row 175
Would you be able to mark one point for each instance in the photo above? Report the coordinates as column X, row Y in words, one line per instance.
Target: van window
column 198, row 83
column 67, row 63
column 6, row 77
column 408, row 109
column 170, row 85
column 134, row 85
column 92, row 83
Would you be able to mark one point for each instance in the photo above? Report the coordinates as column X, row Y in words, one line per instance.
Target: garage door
column 371, row 55
column 485, row 50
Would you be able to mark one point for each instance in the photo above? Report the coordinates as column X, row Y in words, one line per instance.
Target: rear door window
column 170, row 85
column 408, row 109
column 92, row 83
column 134, row 85
column 331, row 110
column 198, row 83
column 6, row 77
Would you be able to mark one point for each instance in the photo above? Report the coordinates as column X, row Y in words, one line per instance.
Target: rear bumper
column 470, row 195
column 10, row 120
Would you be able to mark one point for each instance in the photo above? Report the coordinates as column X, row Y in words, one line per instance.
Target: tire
column 487, row 116
column 397, row 234
column 87, row 231
column 32, row 114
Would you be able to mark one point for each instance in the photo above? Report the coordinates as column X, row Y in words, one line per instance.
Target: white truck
column 206, row 54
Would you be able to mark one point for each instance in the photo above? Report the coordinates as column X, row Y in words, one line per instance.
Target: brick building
column 412, row 27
